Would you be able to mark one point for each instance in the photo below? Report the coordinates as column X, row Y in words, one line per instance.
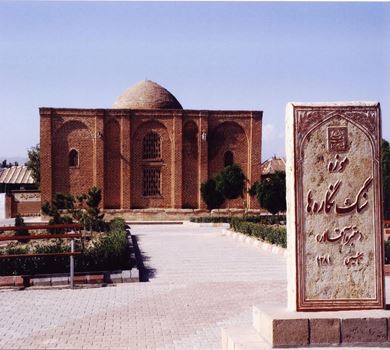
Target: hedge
column 271, row 234
column 263, row 219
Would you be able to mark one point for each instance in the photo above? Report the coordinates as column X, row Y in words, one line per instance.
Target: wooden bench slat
column 38, row 255
column 46, row 236
column 40, row 227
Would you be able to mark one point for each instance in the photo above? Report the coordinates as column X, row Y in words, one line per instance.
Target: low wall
column 159, row 214
column 25, row 203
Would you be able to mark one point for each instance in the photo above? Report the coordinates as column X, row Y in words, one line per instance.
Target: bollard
column 71, row 263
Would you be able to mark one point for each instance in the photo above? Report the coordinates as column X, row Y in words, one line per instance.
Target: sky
column 221, row 55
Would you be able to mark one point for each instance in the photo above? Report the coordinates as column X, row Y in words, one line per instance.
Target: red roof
column 272, row 165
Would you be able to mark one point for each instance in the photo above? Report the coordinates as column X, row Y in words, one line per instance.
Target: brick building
column 146, row 151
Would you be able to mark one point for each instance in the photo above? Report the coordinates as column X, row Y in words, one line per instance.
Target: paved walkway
column 199, row 282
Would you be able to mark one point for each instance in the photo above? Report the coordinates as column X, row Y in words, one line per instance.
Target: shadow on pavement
column 145, row 272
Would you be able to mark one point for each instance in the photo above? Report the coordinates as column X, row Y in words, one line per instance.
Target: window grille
column 152, row 182
column 228, row 158
column 73, row 158
column 151, row 146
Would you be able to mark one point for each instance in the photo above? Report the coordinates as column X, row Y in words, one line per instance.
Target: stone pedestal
column 277, row 327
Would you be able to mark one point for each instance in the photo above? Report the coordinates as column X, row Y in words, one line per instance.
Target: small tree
column 87, row 210
column 210, row 195
column 230, row 182
column 34, row 164
column 271, row 192
column 94, row 218
column 60, row 202
column 19, row 222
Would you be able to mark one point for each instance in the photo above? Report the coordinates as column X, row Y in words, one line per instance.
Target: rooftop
column 147, row 95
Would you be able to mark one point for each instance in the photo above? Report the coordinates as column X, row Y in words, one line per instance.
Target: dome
column 147, row 95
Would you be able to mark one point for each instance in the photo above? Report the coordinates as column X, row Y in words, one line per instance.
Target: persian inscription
column 346, row 236
column 337, row 165
column 323, row 260
column 27, row 196
column 354, row 259
column 328, row 203
column 337, row 139
column 338, row 210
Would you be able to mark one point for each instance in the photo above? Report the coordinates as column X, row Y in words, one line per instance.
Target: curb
column 126, row 276
column 208, row 224
column 275, row 249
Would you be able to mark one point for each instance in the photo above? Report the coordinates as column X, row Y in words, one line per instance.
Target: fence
column 67, row 227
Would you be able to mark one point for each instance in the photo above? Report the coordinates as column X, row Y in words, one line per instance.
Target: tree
column 34, row 164
column 230, row 182
column 271, row 192
column 5, row 164
column 85, row 210
column 386, row 178
column 94, row 219
column 210, row 195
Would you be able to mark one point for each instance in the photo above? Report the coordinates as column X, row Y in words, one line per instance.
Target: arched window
column 73, row 158
column 151, row 146
column 228, row 158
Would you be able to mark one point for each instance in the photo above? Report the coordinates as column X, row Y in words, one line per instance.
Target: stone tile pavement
column 199, row 282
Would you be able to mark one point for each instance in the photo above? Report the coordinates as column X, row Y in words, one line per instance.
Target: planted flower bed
column 100, row 251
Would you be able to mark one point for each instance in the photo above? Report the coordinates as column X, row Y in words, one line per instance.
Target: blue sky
column 255, row 56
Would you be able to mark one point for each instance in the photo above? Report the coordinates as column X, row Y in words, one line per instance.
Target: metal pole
column 71, row 263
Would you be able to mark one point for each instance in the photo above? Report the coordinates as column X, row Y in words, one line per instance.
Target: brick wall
column 24, row 203
column 73, row 134
column 191, row 183
column 109, row 143
column 112, row 164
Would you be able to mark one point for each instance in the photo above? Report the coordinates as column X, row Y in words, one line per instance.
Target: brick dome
column 147, row 95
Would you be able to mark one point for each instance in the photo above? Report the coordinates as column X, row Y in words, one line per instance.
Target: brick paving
column 200, row 281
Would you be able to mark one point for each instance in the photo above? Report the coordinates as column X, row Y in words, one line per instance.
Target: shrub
column 111, row 253
column 210, row 195
column 271, row 234
column 117, row 224
column 230, row 181
column 271, row 192
column 263, row 219
column 387, row 252
column 211, row 219
column 19, row 221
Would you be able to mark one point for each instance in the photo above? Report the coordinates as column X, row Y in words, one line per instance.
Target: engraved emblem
column 338, row 139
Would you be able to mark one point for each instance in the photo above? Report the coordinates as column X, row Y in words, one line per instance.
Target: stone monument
column 334, row 234
column 334, row 215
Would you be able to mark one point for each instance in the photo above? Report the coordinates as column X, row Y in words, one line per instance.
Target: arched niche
column 159, row 168
column 72, row 135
